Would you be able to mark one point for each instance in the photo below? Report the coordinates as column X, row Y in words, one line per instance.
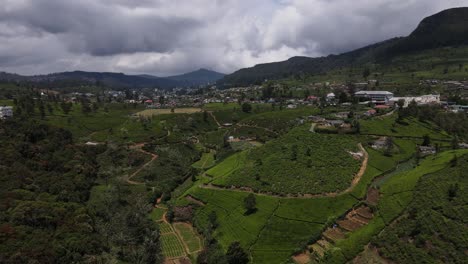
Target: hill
column 118, row 80
column 198, row 77
column 448, row 28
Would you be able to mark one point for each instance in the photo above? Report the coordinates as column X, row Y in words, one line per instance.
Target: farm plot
column 189, row 237
column 299, row 162
column 410, row 127
column 171, row 246
column 430, row 214
column 153, row 112
column 207, row 161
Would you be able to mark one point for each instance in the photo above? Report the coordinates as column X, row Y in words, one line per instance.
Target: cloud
column 165, row 37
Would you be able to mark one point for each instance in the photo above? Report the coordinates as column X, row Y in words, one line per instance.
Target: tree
column 388, row 147
column 236, row 254
column 205, row 116
column 366, row 73
column 250, row 204
column 343, row 98
column 426, row 140
column 294, row 152
column 246, row 108
column 213, row 219
column 85, row 108
column 66, row 107
column 453, row 190
column 455, row 142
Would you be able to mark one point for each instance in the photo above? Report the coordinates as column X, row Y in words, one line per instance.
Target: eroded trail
column 139, row 148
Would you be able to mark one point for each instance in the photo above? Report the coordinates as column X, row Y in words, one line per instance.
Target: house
column 379, row 143
column 427, row 150
column 316, row 119
column 420, row 100
column 377, row 97
column 342, row 115
column 330, row 96
column 370, row 112
column 459, row 108
column 463, row 145
column 6, row 112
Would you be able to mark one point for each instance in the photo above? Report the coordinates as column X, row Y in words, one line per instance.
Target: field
column 189, row 237
column 157, row 214
column 171, row 246
column 410, row 127
column 207, row 161
column 154, row 112
column 434, row 223
column 397, row 193
column 299, row 162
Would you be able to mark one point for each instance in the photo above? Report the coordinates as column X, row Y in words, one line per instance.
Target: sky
column 167, row 37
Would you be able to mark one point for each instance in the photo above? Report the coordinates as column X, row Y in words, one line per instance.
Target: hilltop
column 448, row 28
column 120, row 80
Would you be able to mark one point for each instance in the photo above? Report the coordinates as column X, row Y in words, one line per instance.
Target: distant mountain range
column 447, row 28
column 119, row 80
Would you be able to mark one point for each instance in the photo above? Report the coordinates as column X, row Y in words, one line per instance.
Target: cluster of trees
column 46, row 215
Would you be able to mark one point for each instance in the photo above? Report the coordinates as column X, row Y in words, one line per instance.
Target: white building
column 6, row 111
column 382, row 97
column 420, row 100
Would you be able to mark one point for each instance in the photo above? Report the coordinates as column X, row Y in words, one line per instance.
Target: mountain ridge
column 119, row 80
column 446, row 28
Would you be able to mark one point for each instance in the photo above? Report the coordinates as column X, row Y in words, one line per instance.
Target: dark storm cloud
column 98, row 29
column 165, row 37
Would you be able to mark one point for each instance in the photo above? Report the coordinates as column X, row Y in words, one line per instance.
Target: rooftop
column 374, row 92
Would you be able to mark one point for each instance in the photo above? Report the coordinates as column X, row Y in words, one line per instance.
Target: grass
column 207, row 161
column 229, row 165
column 157, row 214
column 411, row 127
column 153, row 112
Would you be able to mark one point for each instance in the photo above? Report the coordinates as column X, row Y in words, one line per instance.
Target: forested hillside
column 445, row 29
column 47, row 214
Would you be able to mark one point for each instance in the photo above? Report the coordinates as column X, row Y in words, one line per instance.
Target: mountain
column 447, row 28
column 118, row 80
column 198, row 77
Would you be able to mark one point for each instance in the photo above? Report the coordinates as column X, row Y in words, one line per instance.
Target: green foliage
column 246, row 107
column 236, row 254
column 250, row 204
column 433, row 227
column 286, row 167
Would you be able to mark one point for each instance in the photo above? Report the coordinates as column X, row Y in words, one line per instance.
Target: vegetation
column 434, row 224
column 298, row 162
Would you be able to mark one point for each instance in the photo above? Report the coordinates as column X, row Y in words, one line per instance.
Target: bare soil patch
column 302, row 258
column 333, row 234
column 349, row 225
column 373, row 196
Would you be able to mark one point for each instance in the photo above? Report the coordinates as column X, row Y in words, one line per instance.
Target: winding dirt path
column 354, row 182
column 153, row 157
column 214, row 118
